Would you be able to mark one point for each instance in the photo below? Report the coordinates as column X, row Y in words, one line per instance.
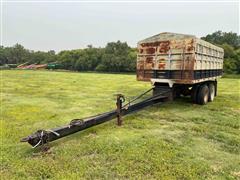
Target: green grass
column 176, row 140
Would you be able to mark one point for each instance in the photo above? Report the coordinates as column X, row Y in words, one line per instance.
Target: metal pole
column 120, row 99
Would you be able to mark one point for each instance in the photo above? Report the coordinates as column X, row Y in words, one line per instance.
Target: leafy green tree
column 67, row 59
column 3, row 59
column 15, row 55
column 220, row 37
column 230, row 42
column 116, row 58
column 229, row 51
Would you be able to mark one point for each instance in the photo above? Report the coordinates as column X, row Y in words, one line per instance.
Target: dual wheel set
column 204, row 93
column 200, row 93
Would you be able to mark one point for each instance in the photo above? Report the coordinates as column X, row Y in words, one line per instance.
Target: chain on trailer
column 42, row 137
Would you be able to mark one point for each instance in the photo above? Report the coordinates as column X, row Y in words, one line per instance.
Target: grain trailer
column 176, row 64
column 182, row 63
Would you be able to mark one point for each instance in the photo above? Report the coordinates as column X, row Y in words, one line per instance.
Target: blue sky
column 59, row 26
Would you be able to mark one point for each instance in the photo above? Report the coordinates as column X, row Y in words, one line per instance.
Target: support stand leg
column 120, row 100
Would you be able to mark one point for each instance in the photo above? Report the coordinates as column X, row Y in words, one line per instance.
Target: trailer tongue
column 41, row 137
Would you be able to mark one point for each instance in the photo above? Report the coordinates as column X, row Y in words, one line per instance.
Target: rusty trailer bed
column 178, row 59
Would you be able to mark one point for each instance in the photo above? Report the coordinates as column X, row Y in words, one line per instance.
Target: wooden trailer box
column 178, row 59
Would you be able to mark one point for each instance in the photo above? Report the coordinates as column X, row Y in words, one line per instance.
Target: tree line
column 114, row 57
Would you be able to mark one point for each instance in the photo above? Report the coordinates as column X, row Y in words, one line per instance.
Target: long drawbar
column 41, row 137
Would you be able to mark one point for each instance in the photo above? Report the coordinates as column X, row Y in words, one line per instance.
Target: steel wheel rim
column 212, row 92
column 205, row 98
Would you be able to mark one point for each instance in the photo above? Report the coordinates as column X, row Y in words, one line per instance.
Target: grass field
column 176, row 140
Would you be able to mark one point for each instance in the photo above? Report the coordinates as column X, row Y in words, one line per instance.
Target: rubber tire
column 194, row 92
column 211, row 94
column 202, row 96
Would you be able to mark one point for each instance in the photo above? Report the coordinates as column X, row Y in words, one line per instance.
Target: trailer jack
column 42, row 137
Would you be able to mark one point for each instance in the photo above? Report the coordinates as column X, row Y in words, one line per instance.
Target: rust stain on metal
column 177, row 54
column 149, row 59
column 161, row 65
column 150, row 50
column 164, row 46
column 190, row 45
column 152, row 44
